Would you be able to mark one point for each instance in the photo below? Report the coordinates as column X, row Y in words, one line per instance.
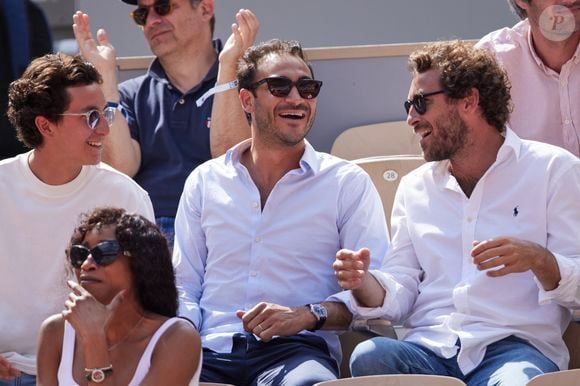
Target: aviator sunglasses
column 104, row 253
column 280, row 86
column 419, row 102
column 161, row 7
column 94, row 116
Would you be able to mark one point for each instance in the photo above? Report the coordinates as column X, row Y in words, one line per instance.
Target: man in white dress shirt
column 257, row 231
column 485, row 256
column 541, row 55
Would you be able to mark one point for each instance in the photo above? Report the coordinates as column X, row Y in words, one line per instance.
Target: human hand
column 351, row 267
column 100, row 52
column 7, row 371
column 85, row 313
column 267, row 320
column 504, row 255
column 243, row 35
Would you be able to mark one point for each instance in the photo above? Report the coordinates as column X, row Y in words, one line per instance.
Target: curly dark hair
column 42, row 91
column 248, row 64
column 149, row 260
column 464, row 67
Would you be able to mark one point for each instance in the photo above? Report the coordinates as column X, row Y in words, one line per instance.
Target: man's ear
column 523, row 4
column 247, row 100
column 470, row 103
column 207, row 8
column 44, row 126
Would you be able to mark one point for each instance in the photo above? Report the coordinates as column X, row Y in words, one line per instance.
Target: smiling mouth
column 97, row 145
column 294, row 116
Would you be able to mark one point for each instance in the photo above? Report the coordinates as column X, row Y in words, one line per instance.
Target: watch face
column 98, row 376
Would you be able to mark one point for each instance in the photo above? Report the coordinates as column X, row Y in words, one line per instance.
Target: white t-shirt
column 37, row 221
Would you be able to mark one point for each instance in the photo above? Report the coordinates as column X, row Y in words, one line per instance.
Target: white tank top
column 65, row 371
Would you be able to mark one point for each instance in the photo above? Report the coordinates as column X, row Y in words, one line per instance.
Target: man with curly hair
column 541, row 55
column 485, row 256
column 59, row 111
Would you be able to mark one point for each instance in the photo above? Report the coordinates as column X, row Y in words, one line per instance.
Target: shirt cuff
column 568, row 288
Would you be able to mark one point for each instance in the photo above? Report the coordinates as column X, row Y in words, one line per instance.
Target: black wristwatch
column 320, row 313
column 99, row 374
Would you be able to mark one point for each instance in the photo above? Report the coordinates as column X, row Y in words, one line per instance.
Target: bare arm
column 167, row 368
column 120, row 151
column 229, row 125
column 49, row 351
column 267, row 320
column 351, row 269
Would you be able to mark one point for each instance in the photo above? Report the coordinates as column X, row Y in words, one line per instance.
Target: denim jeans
column 290, row 361
column 22, row 380
column 508, row 362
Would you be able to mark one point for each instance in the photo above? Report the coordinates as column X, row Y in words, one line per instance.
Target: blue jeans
column 290, row 361
column 509, row 362
column 22, row 380
column 167, row 227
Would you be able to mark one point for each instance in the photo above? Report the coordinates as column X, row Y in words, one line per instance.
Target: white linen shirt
column 531, row 193
column 546, row 104
column 230, row 255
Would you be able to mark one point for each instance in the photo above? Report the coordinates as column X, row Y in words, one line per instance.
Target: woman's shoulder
column 53, row 325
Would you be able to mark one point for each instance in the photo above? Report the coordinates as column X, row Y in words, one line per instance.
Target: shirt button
column 255, row 205
column 258, row 239
column 469, row 219
column 181, row 101
column 253, row 274
column 567, row 122
column 170, row 87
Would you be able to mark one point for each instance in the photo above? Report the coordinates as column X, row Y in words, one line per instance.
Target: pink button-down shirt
column 546, row 104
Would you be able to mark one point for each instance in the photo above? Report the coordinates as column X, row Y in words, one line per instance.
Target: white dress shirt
column 531, row 193
column 229, row 254
column 546, row 104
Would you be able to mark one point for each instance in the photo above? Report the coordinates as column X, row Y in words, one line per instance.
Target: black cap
column 132, row 2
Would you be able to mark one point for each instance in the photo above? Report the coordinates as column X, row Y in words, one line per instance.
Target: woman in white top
column 118, row 327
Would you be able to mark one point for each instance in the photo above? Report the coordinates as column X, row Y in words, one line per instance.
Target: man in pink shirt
column 542, row 58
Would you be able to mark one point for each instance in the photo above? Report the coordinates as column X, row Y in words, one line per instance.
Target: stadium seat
column 396, row 380
column 387, row 138
column 386, row 173
column 558, row 378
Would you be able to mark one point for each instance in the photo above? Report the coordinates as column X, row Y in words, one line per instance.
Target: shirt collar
column 511, row 145
column 308, row 161
column 575, row 58
column 157, row 71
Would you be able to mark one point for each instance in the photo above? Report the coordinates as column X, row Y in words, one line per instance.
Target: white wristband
column 215, row 90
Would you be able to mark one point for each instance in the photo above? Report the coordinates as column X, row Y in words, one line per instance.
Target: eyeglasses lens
column 418, row 102
column 161, row 8
column 93, row 118
column 103, row 253
column 281, row 87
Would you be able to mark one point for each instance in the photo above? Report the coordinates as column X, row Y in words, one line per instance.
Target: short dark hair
column 519, row 11
column 42, row 91
column 248, row 64
column 464, row 67
column 149, row 260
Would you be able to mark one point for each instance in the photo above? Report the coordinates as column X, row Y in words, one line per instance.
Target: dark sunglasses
column 94, row 116
column 419, row 102
column 161, row 7
column 280, row 86
column 104, row 253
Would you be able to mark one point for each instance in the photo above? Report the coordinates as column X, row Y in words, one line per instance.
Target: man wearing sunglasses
column 169, row 109
column 257, row 230
column 59, row 111
column 541, row 55
column 485, row 257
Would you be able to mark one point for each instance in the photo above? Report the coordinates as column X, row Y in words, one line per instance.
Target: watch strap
column 320, row 313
